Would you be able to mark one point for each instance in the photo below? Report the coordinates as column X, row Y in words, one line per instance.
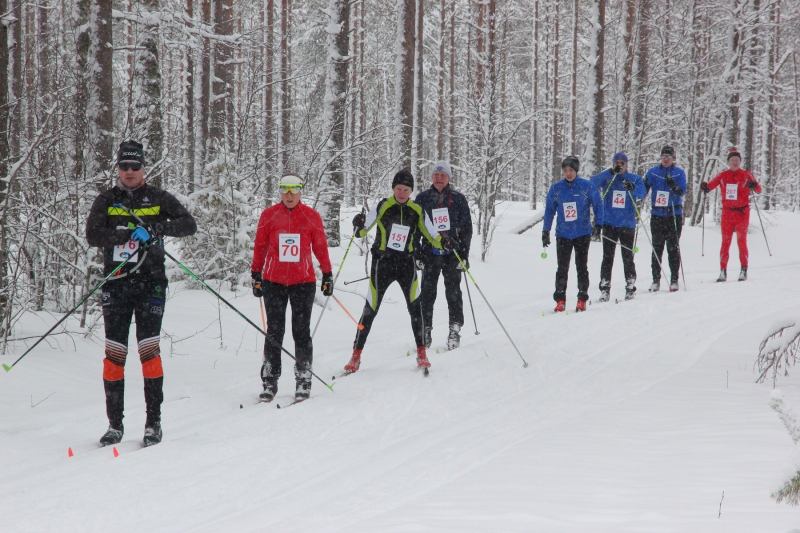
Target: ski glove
column 597, row 234
column 327, row 284
column 704, row 187
column 545, row 239
column 628, row 185
column 463, row 265
column 140, row 234
column 671, row 183
column 617, row 169
column 752, row 185
column 449, row 243
column 358, row 222
column 256, row 284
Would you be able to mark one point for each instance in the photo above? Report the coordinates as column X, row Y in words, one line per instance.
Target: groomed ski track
column 631, row 417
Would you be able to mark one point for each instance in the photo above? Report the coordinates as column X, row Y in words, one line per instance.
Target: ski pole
column 49, row 331
column 355, row 280
column 474, row 321
column 653, row 248
column 263, row 315
column 525, row 363
column 334, row 283
column 703, row 241
column 360, row 326
column 631, row 250
column 762, row 225
column 226, row 302
column 678, row 243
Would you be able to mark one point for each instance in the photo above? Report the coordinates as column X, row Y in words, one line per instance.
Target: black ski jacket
column 458, row 210
column 108, row 226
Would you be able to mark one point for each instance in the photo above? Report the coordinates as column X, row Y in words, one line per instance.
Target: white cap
column 291, row 179
column 442, row 166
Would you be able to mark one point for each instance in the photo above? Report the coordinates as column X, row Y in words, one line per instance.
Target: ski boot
column 422, row 358
column 303, row 384
column 723, row 276
column 152, row 433
column 113, row 435
column 454, row 338
column 673, row 287
column 743, row 274
column 428, row 336
column 581, row 306
column 270, row 390
column 605, row 290
column 355, row 362
column 561, row 305
column 655, row 287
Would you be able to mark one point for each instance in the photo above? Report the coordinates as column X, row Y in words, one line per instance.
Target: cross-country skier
column 570, row 200
column 668, row 183
column 619, row 190
column 398, row 220
column 283, row 272
column 140, row 287
column 736, row 184
column 449, row 211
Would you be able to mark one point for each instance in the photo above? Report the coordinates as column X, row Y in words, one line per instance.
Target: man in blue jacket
column 668, row 183
column 449, row 211
column 619, row 190
column 570, row 199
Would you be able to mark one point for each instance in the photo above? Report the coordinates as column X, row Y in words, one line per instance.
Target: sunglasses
column 290, row 189
column 130, row 166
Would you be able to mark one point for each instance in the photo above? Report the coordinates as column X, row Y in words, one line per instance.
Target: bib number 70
column 289, row 247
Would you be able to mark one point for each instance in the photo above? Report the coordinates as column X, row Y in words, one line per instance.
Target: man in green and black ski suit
column 139, row 287
column 398, row 220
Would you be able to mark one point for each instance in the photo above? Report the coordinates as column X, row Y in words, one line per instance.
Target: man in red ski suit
column 735, row 185
column 283, row 272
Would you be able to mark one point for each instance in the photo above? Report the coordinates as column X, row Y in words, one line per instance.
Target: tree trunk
column 205, row 94
column 148, row 119
column 189, row 126
column 440, row 111
column 4, row 153
column 417, row 150
column 627, row 77
column 594, row 159
column 269, row 116
column 221, row 130
column 286, row 86
column 406, row 50
column 557, row 155
column 573, row 103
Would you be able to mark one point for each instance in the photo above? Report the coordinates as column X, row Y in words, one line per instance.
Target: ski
column 301, row 400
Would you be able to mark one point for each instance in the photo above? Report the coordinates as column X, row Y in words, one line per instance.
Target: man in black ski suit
column 449, row 211
column 139, row 287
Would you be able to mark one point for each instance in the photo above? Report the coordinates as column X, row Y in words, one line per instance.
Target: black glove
column 597, row 234
column 704, row 187
column 358, row 222
column 463, row 264
column 628, row 185
column 256, row 284
column 545, row 239
column 752, row 185
column 617, row 169
column 448, row 243
column 671, row 183
column 327, row 284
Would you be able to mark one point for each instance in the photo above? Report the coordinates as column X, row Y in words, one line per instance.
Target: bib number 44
column 619, row 200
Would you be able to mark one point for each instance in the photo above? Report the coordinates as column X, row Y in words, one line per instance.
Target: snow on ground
column 630, row 417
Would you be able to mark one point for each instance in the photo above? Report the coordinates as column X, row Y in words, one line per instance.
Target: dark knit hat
column 668, row 150
column 403, row 177
column 571, row 161
column 130, row 152
column 734, row 152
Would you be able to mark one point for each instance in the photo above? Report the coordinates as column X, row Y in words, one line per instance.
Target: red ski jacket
column 284, row 240
column 733, row 187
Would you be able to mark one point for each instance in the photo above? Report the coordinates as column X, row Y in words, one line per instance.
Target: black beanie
column 668, row 150
column 734, row 152
column 572, row 162
column 130, row 151
column 403, row 177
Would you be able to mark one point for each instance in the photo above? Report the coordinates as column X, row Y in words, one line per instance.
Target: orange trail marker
column 69, row 453
column 116, row 453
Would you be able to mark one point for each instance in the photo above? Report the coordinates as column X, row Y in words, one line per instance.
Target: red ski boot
column 422, row 358
column 355, row 362
column 581, row 306
column 561, row 305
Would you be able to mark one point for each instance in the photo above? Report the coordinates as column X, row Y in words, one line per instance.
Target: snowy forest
column 227, row 96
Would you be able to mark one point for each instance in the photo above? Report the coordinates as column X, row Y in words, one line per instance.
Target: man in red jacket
column 283, row 272
column 736, row 184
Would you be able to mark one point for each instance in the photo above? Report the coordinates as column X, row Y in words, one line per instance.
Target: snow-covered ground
column 631, row 417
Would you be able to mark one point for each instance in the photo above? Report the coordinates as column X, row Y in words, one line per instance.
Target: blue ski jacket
column 619, row 210
column 571, row 202
column 664, row 200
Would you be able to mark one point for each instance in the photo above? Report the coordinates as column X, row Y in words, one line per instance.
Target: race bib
column 619, row 200
column 124, row 251
column 570, row 211
column 732, row 191
column 441, row 219
column 289, row 247
column 662, row 198
column 398, row 237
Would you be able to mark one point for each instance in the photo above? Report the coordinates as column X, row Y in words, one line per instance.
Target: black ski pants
column 122, row 300
column 447, row 265
column 612, row 235
column 276, row 298
column 388, row 267
column 564, row 249
column 666, row 230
